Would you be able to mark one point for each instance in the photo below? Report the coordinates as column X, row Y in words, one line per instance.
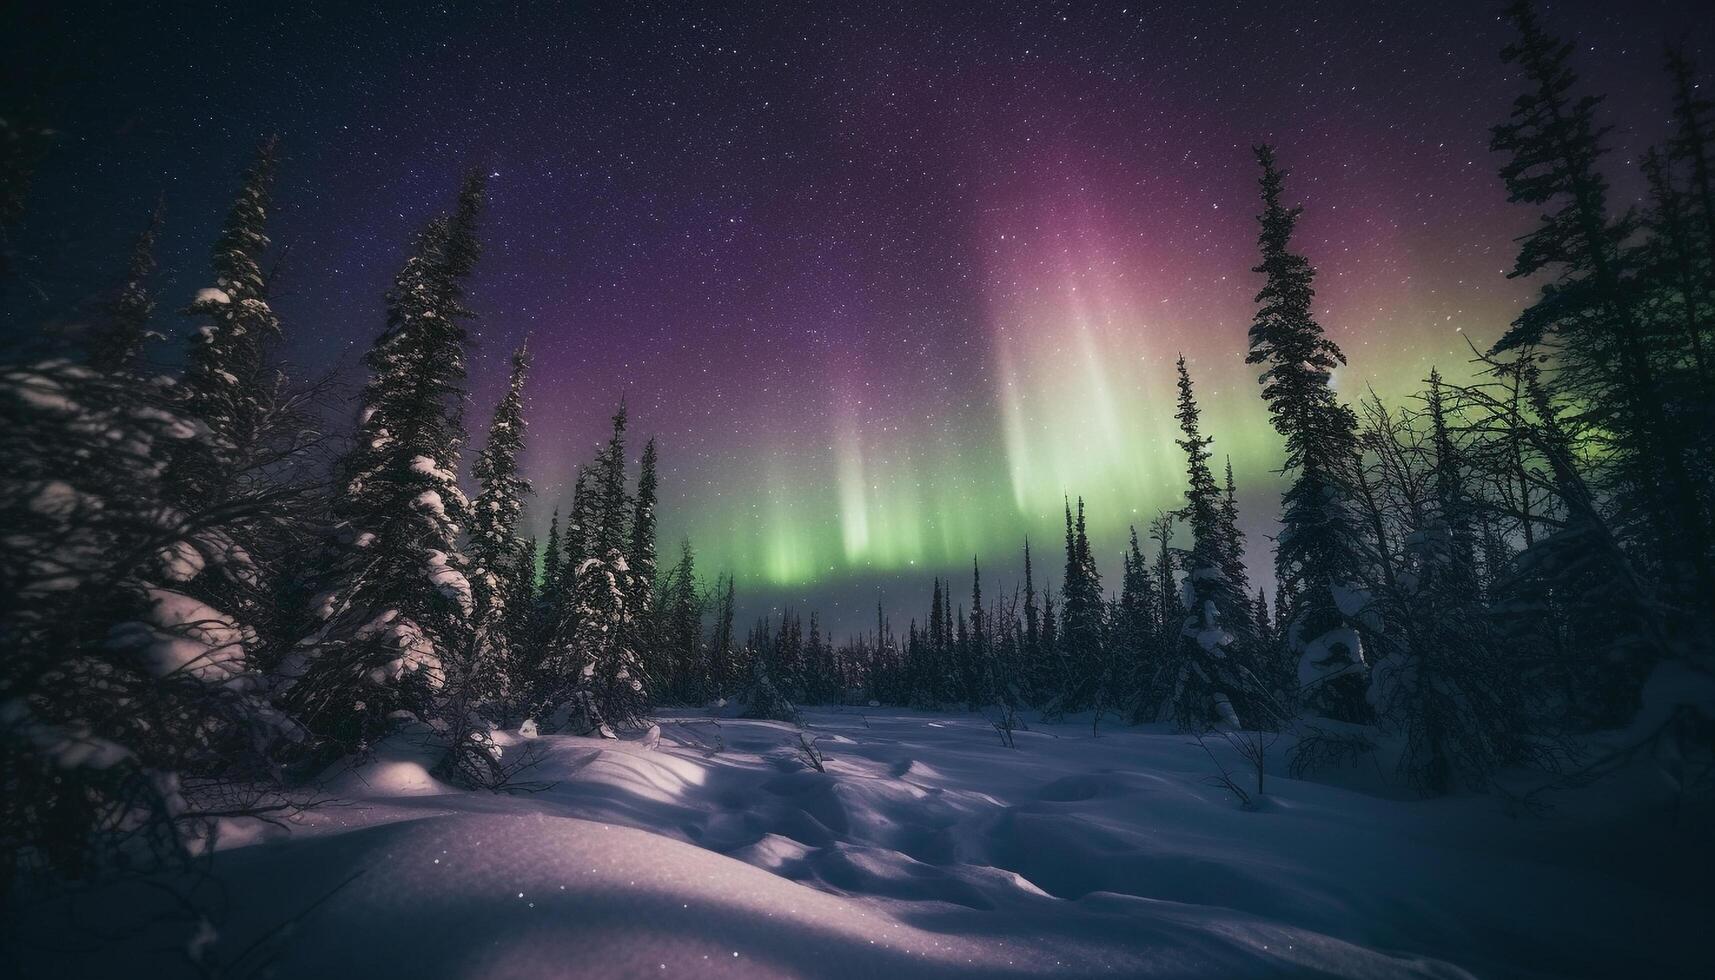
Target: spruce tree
column 1693, row 142
column 597, row 658
column 1588, row 316
column 252, row 438
column 1318, row 555
column 553, row 558
column 224, row 384
column 116, row 340
column 1210, row 679
column 642, row 552
column 397, row 610
column 1233, row 542
column 1032, row 615
column 978, row 669
column 723, row 654
column 493, row 544
column 1134, row 630
column 1081, row 614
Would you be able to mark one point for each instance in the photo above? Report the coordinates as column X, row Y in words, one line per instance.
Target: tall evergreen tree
column 598, row 652
column 1317, row 556
column 224, row 384
column 397, row 612
column 1588, row 316
column 642, row 552
column 493, row 542
column 553, row 560
column 724, row 666
column 116, row 340
column 978, row 669
column 1134, row 633
column 1693, row 143
column 1233, row 539
column 607, row 533
column 1211, row 680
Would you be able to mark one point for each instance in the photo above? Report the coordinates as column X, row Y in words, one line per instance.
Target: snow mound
column 924, row 849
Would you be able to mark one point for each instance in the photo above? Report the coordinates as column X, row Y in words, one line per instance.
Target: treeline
column 1473, row 579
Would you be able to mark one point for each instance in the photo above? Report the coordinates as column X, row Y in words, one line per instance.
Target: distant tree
column 1081, row 615
column 1031, row 652
column 723, row 669
column 642, row 551
column 978, row 651
column 687, row 674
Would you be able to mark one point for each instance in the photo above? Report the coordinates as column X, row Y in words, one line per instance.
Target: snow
column 416, row 649
column 430, row 501
column 181, row 635
column 211, row 295
column 926, row 849
column 1337, row 652
column 449, row 581
column 425, row 466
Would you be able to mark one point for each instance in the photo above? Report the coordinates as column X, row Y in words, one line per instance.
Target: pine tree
column 1233, row 543
column 1081, row 614
column 1675, row 277
column 649, row 627
column 1318, row 556
column 1454, row 504
column 252, row 436
column 553, row 561
column 1588, row 315
column 723, row 655
column 224, row 384
column 1693, row 142
column 1032, row 615
column 397, row 612
column 116, row 340
column 642, row 552
column 607, row 531
column 1211, row 678
column 1134, row 631
column 978, row 669
column 493, row 543
column 682, row 630
column 597, row 653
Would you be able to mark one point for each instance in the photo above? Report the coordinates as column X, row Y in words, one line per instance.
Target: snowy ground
column 925, row 849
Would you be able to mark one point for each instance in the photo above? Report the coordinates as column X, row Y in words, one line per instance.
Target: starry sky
column 887, row 280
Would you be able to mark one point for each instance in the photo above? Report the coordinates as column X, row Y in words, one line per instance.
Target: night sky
column 887, row 279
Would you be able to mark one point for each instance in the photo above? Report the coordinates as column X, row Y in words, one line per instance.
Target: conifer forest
column 846, row 489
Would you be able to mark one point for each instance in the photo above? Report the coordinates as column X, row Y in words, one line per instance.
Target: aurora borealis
column 888, row 280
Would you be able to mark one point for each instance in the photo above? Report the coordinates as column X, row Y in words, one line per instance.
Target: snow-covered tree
column 131, row 705
column 225, row 385
column 594, row 657
column 1318, row 557
column 397, row 612
column 1209, row 677
column 493, row 545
